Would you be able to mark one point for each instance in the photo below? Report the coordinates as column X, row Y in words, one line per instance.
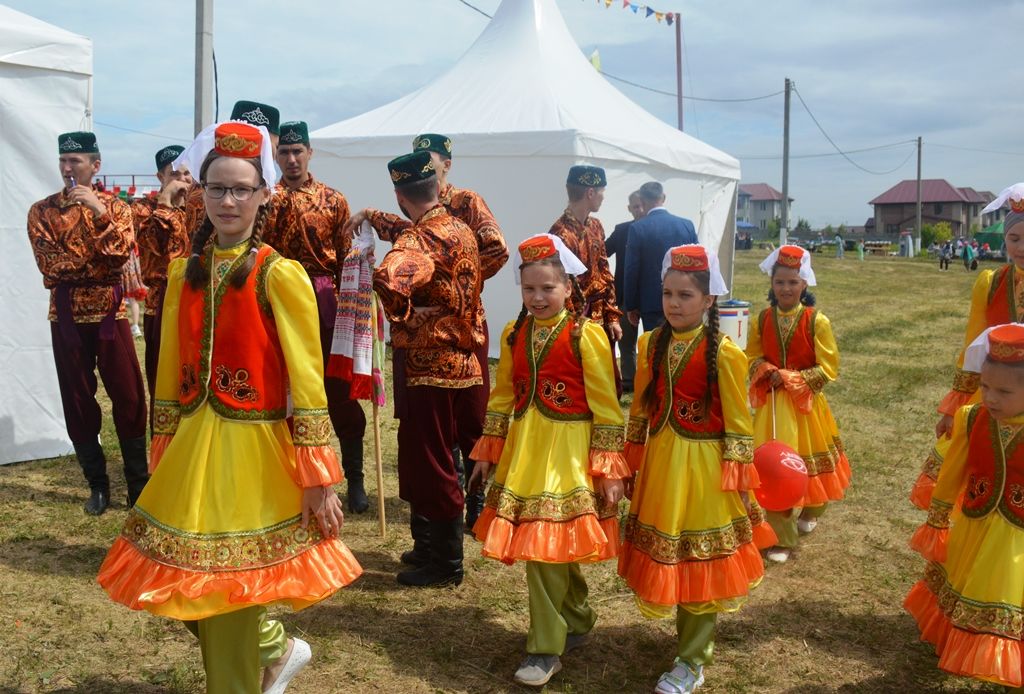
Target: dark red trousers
column 151, row 334
column 122, row 378
column 347, row 415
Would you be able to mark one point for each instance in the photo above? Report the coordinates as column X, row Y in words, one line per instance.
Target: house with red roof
column 941, row 201
column 759, row 204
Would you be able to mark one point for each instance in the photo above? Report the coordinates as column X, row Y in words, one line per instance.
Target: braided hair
column 806, row 297
column 197, row 274
column 551, row 261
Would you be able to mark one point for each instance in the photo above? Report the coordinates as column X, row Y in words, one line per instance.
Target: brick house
column 896, row 208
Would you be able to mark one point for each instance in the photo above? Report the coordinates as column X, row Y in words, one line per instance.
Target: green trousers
column 236, row 647
column 696, row 636
column 784, row 523
column 558, row 606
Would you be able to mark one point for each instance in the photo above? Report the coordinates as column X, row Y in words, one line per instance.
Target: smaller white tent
column 45, row 89
column 522, row 105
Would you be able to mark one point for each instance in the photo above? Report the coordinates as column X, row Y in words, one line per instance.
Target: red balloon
column 783, row 476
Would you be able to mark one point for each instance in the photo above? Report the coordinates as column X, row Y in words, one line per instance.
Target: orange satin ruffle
column 724, row 578
column 764, row 535
column 953, row 401
column 609, row 464
column 739, row 477
column 582, row 539
column 316, row 466
column 828, row 486
column 971, row 654
column 930, row 542
column 921, row 494
column 799, row 392
column 760, row 387
column 132, row 579
column 157, row 448
column 634, row 455
column 488, row 449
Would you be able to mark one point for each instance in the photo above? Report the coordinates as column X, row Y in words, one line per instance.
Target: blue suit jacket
column 650, row 238
column 615, row 245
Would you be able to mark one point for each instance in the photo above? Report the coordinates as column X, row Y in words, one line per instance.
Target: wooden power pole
column 917, row 226
column 784, row 225
column 679, row 71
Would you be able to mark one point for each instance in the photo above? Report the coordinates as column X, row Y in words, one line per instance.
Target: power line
column 140, row 132
column 840, row 151
column 475, row 8
column 826, row 154
column 975, row 149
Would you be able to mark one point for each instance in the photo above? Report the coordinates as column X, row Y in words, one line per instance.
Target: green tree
column 829, row 232
column 935, row 233
column 803, row 226
column 773, row 228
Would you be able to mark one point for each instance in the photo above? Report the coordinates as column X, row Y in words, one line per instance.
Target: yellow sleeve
column 166, row 405
column 965, row 383
column 738, row 472
column 500, row 404
column 636, row 430
column 295, row 314
column 599, row 382
column 755, row 352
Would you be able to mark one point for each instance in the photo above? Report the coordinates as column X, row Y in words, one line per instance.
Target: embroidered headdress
column 692, row 257
column 791, row 257
column 547, row 246
column 1002, row 343
column 231, row 139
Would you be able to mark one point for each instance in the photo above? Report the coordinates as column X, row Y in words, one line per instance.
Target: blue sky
column 873, row 73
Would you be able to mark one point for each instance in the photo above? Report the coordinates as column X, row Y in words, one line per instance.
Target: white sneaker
column 536, row 669
column 779, row 555
column 136, row 331
column 298, row 659
column 806, row 526
column 682, row 679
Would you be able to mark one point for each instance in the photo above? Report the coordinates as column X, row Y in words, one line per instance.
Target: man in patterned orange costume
column 81, row 239
column 429, row 284
column 469, row 207
column 307, row 224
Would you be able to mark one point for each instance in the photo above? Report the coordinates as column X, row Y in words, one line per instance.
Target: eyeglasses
column 239, row 193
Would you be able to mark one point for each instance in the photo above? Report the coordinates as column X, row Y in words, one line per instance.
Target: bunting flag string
column 645, row 11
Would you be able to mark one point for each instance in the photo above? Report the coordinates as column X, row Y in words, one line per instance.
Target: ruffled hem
column 582, row 539
column 608, row 464
column 954, row 400
column 720, row 579
column 930, row 542
column 764, row 536
column 134, row 580
column 488, row 449
column 316, row 466
column 828, row 486
column 634, row 455
column 157, row 448
column 739, row 477
column 921, row 494
column 981, row 656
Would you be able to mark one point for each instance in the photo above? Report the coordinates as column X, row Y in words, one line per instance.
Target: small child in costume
column 554, row 430
column 793, row 356
column 691, row 545
column 970, row 603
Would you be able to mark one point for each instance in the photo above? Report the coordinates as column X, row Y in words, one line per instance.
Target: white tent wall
column 45, row 89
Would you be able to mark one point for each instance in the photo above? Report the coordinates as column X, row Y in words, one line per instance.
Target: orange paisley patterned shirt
column 306, row 225
column 72, row 246
column 435, row 262
column 586, row 240
column 162, row 238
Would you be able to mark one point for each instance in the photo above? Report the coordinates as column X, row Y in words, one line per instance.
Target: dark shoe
column 352, row 464
column 419, row 555
column 574, row 641
column 94, row 465
column 136, row 467
column 98, row 502
column 445, row 565
column 474, row 507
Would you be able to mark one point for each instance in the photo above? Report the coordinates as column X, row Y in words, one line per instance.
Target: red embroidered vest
column 1002, row 306
column 995, row 477
column 795, row 351
column 685, row 408
column 230, row 352
column 551, row 379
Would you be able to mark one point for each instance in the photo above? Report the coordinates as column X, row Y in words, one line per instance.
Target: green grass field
column 828, row 621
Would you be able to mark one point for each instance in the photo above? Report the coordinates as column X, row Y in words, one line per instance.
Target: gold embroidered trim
column 231, row 551
column 236, row 384
column 938, row 514
column 932, row 465
column 739, row 449
column 312, row 428
column 446, row 382
column 606, row 438
column 166, row 416
column 815, row 378
column 966, row 381
column 496, row 424
column 547, row 507
column 636, row 430
column 970, row 615
column 691, row 545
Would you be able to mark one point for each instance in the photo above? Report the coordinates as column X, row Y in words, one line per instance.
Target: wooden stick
column 380, row 470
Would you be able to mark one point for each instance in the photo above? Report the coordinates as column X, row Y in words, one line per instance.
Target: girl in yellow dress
column 970, row 603
column 554, row 430
column 997, row 298
column 239, row 512
column 690, row 544
column 793, row 356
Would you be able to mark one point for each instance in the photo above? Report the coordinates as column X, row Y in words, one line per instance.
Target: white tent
column 522, row 105
column 45, row 89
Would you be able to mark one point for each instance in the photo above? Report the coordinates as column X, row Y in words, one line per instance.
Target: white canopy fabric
column 45, row 89
column 521, row 106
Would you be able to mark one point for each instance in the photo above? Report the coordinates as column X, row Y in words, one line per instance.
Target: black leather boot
column 94, row 467
column 474, row 500
column 419, row 555
column 445, row 566
column 136, row 467
column 352, row 464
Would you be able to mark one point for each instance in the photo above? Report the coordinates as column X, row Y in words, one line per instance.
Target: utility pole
column 784, row 225
column 679, row 71
column 204, row 65
column 917, row 228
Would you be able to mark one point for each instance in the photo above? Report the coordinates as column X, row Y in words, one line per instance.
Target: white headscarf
column 573, row 265
column 1014, row 193
column 806, row 273
column 717, row 283
column 195, row 154
column 976, row 353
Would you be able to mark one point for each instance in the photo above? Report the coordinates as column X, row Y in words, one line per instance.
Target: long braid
column 241, row 273
column 661, row 342
column 577, row 305
column 196, row 273
column 711, row 353
column 520, row 319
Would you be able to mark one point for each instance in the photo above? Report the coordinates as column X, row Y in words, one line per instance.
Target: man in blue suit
column 615, row 245
column 649, row 239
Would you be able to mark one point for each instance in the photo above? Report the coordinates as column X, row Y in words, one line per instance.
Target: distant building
column 759, row 204
column 896, row 208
